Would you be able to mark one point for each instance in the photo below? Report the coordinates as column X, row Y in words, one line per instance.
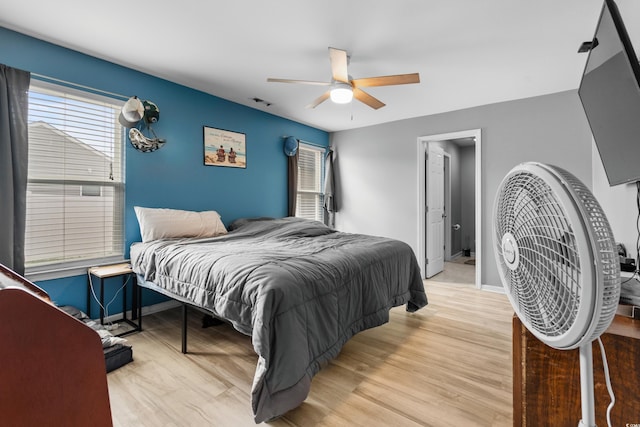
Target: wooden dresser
column 546, row 381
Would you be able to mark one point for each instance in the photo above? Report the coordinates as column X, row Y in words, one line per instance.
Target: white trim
column 421, row 147
column 68, row 269
column 71, row 266
column 318, row 153
column 493, row 288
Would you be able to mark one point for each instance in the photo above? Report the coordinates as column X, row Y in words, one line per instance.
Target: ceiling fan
column 344, row 88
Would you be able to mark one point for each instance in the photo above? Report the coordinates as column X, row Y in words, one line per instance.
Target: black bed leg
column 184, row 328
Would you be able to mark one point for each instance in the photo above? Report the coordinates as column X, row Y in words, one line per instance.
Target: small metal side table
column 115, row 270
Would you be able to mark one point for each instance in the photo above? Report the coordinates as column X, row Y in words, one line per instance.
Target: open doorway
column 459, row 191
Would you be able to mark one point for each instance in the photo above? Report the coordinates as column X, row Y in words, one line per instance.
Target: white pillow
column 159, row 223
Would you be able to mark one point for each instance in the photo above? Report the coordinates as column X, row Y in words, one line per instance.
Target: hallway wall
column 468, row 197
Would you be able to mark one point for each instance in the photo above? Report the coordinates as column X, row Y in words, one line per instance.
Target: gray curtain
column 330, row 206
column 14, row 109
column 292, row 185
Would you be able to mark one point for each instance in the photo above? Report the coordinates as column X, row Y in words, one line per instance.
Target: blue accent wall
column 175, row 175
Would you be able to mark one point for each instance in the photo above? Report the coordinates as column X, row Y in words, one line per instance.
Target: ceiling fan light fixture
column 342, row 93
column 342, row 88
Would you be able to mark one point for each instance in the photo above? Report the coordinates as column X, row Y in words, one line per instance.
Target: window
column 75, row 190
column 310, row 172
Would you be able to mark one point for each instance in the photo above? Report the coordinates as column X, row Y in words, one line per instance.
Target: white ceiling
column 468, row 52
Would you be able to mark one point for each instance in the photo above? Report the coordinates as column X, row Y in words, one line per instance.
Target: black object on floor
column 117, row 355
column 209, row 320
column 116, row 352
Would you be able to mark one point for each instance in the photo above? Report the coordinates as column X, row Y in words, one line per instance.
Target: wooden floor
column 447, row 365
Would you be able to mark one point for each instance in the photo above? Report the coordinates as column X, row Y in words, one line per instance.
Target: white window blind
column 75, row 191
column 310, row 171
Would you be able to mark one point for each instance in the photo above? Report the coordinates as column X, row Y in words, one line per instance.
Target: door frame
column 421, row 145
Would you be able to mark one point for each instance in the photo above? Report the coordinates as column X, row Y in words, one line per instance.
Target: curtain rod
column 327, row 149
column 309, row 143
column 313, row 144
column 79, row 86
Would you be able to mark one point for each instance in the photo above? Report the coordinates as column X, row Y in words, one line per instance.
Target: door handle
column 456, row 227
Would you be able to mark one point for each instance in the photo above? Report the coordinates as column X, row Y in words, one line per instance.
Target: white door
column 435, row 210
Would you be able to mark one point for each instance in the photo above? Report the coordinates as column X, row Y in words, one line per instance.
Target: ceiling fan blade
column 398, row 79
column 304, row 82
column 338, row 58
column 364, row 97
column 319, row 100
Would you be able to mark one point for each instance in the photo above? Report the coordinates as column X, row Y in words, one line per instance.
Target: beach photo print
column 224, row 148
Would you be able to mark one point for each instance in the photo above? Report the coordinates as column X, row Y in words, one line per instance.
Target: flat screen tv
column 610, row 94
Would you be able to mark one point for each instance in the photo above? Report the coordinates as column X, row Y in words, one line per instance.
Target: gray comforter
column 297, row 287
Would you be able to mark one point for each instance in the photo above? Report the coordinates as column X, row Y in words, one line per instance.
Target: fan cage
column 558, row 227
column 604, row 250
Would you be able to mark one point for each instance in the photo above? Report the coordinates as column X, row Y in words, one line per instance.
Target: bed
column 297, row 287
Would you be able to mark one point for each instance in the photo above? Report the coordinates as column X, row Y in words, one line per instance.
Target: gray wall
column 455, row 214
column 378, row 167
column 619, row 205
column 456, row 200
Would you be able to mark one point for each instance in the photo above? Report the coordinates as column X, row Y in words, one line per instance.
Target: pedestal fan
column 558, row 263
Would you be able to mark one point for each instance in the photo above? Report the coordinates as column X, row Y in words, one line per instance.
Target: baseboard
column 492, row 288
column 461, row 253
column 149, row 309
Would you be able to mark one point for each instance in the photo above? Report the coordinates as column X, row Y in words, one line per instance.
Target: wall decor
column 224, row 148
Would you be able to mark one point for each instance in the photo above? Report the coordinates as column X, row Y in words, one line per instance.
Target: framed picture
column 224, row 148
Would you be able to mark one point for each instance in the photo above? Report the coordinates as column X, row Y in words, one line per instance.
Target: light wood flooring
column 457, row 271
column 449, row 364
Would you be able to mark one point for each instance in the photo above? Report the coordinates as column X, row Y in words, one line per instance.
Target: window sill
column 58, row 271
